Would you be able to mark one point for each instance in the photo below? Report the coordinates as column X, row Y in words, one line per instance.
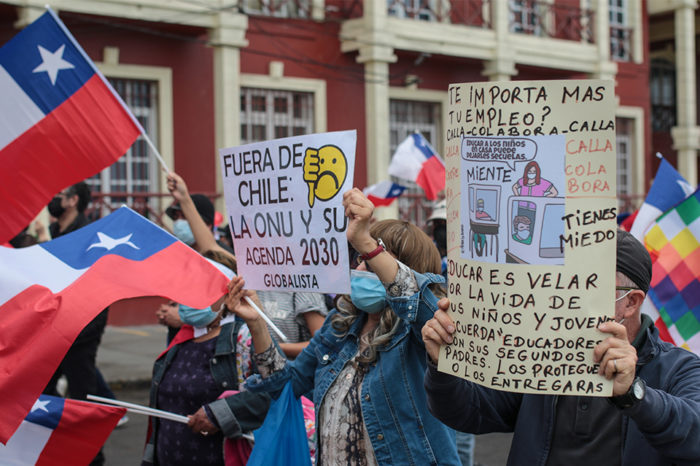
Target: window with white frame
column 525, row 17
column 405, row 118
column 278, row 8
column 273, row 114
column 625, row 138
column 136, row 171
column 424, row 10
column 662, row 87
column 620, row 32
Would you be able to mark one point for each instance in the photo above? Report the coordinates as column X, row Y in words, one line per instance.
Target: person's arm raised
column 203, row 237
column 235, row 302
column 358, row 210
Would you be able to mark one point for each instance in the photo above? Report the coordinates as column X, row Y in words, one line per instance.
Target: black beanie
column 633, row 260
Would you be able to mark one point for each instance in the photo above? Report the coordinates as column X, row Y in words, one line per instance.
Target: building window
column 662, row 84
column 624, row 136
column 278, row 8
column 620, row 32
column 270, row 114
column 525, row 17
column 424, row 10
column 136, row 171
column 406, row 117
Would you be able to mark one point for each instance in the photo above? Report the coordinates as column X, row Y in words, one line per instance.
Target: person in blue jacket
column 653, row 417
column 365, row 365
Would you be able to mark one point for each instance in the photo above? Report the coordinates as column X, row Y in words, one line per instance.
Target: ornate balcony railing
column 278, row 8
column 620, row 43
column 465, row 12
column 552, row 20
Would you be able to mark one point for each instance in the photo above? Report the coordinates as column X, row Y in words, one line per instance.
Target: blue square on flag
column 123, row 233
column 45, row 63
column 60, row 120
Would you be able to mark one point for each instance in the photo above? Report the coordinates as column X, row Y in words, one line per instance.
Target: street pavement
column 126, row 357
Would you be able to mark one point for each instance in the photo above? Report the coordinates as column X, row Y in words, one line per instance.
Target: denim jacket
column 234, row 415
column 394, row 405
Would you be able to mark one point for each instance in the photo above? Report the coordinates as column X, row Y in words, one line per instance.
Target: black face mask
column 440, row 237
column 55, row 208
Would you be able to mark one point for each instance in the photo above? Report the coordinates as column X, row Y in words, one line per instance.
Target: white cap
column 439, row 211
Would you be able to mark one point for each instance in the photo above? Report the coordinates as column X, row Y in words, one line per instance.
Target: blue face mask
column 196, row 317
column 367, row 291
column 183, row 232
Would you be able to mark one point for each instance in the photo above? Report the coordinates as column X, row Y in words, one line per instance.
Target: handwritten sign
column 284, row 201
column 531, row 208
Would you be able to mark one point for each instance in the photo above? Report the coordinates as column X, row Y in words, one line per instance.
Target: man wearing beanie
column 653, row 417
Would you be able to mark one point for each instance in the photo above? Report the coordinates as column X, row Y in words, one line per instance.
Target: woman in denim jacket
column 365, row 366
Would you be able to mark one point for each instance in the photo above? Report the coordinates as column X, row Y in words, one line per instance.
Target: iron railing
column 620, row 43
column 473, row 13
column 149, row 204
column 553, row 20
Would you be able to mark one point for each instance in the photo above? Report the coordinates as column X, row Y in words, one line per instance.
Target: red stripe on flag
column 83, row 135
column 82, row 430
column 432, row 177
column 37, row 327
column 381, row 201
column 663, row 331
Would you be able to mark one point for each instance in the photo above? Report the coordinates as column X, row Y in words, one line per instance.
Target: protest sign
column 531, row 209
column 284, row 201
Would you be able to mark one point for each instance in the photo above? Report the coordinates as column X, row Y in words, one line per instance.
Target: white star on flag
column 38, row 404
column 52, row 63
column 110, row 243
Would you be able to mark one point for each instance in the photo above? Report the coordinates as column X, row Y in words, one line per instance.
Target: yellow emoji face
column 332, row 170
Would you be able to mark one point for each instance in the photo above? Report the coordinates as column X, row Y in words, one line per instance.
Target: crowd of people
column 369, row 361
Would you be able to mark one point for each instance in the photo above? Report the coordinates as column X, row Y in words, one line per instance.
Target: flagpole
column 155, row 151
column 140, row 409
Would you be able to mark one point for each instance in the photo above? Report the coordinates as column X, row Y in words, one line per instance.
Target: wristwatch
column 634, row 395
column 380, row 247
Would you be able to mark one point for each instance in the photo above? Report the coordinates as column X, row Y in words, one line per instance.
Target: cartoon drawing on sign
column 525, row 227
column 532, row 183
column 522, row 231
column 484, row 203
column 324, row 172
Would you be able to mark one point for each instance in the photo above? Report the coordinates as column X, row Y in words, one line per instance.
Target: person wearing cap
column 437, row 230
column 653, row 417
column 182, row 228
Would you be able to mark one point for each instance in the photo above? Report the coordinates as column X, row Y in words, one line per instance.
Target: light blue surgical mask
column 196, row 317
column 523, row 234
column 367, row 292
column 183, row 232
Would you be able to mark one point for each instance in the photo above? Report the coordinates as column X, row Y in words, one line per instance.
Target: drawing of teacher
column 532, row 184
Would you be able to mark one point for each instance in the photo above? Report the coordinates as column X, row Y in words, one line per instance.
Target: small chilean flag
column 383, row 193
column 416, row 161
column 60, row 120
column 50, row 291
column 58, row 431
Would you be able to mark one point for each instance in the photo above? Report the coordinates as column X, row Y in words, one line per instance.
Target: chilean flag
column 50, row 291
column 60, row 120
column 383, row 193
column 58, row 431
column 416, row 161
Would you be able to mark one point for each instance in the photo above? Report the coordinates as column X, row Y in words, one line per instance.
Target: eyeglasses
column 626, row 288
